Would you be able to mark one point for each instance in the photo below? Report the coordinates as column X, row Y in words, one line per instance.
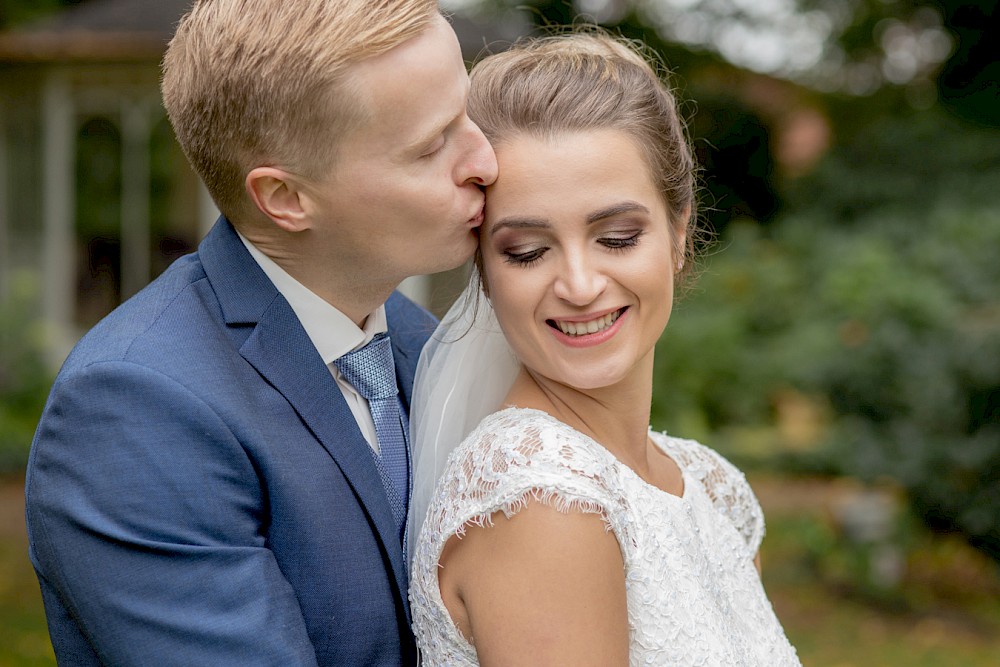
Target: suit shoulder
column 114, row 336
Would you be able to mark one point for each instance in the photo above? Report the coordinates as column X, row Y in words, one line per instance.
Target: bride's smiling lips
column 588, row 330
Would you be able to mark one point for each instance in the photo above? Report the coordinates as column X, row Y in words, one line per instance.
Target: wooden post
column 136, row 235
column 58, row 204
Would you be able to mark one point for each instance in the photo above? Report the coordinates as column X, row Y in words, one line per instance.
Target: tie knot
column 371, row 369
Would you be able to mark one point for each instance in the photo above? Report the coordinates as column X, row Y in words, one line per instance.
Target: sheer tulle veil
column 464, row 372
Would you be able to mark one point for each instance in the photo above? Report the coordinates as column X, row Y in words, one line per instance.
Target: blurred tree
column 14, row 12
column 734, row 149
column 937, row 46
column 930, row 48
column 970, row 81
column 908, row 160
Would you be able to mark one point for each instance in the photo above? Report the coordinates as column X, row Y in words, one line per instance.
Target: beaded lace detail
column 694, row 596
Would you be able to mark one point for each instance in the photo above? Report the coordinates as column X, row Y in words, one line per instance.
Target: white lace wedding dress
column 694, row 595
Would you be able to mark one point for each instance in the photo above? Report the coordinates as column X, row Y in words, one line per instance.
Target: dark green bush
column 919, row 388
column 24, row 376
column 894, row 324
column 876, row 298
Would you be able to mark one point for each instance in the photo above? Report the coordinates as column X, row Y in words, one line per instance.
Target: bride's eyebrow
column 616, row 209
column 527, row 222
column 518, row 222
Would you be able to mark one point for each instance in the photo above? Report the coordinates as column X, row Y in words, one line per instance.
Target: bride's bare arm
column 541, row 588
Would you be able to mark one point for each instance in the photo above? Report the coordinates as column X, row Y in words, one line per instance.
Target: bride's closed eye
column 621, row 242
column 519, row 257
column 527, row 256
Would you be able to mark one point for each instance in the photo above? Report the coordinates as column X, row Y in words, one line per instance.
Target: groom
column 220, row 476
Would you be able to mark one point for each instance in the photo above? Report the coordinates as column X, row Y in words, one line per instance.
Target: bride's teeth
column 593, row 326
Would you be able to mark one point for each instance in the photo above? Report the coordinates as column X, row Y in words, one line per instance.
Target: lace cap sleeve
column 519, row 455
column 725, row 485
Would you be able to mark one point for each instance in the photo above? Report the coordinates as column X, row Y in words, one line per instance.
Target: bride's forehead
column 571, row 184
column 567, row 164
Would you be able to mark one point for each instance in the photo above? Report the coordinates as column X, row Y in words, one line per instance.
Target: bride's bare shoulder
column 542, row 578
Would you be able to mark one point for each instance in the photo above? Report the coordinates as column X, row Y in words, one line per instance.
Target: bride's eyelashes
column 526, row 258
column 616, row 243
column 621, row 242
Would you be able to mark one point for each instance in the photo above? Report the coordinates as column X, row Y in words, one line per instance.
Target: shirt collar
column 331, row 331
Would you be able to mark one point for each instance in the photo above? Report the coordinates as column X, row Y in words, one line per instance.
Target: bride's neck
column 616, row 416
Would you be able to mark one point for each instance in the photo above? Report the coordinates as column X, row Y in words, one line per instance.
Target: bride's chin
column 576, row 381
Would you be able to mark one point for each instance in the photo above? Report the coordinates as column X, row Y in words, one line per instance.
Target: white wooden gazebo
column 90, row 71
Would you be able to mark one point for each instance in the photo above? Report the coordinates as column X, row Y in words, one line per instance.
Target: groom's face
column 405, row 197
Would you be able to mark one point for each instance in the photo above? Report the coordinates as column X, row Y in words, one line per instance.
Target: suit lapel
column 280, row 350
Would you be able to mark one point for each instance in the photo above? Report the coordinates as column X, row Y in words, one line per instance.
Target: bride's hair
column 590, row 80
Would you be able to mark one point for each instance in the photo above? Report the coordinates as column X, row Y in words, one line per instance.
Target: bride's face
column 577, row 256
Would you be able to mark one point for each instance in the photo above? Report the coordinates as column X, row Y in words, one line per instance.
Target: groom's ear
column 280, row 196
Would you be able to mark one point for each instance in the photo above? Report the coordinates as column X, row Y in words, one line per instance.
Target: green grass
column 944, row 611
column 25, row 640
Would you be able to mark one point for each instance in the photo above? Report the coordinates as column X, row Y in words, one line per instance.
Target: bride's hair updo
column 590, row 80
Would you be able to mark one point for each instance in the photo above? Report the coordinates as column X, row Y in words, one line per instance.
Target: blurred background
column 841, row 343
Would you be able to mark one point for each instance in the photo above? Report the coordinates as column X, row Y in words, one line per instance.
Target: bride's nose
column 580, row 280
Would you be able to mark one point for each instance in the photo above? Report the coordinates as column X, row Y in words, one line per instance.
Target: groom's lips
column 477, row 219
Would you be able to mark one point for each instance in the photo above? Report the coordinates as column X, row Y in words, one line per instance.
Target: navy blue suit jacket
column 199, row 493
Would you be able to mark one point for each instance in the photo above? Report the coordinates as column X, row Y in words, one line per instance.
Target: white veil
column 464, row 372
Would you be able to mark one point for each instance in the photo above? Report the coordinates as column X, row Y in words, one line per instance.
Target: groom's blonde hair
column 250, row 83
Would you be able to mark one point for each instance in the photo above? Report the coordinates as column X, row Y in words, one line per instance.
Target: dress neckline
column 660, row 440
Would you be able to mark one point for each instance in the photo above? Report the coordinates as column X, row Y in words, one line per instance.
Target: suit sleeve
column 145, row 521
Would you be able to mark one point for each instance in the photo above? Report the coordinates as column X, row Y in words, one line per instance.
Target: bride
column 552, row 525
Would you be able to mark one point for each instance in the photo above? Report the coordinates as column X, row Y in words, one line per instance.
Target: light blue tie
column 372, row 372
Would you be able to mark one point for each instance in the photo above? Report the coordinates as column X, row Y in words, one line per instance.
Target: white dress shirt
column 331, row 332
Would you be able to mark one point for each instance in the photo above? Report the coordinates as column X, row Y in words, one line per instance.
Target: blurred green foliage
column 943, row 611
column 14, row 12
column 24, row 375
column 875, row 301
